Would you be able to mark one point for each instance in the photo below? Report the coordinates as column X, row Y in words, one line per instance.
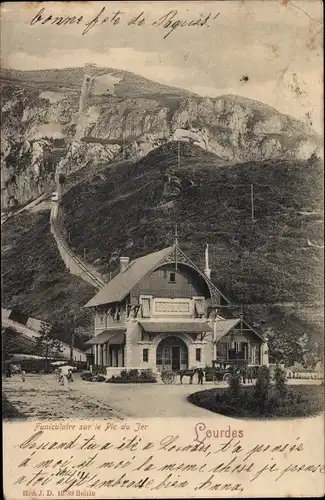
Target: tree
column 262, row 388
column 47, row 341
column 234, row 388
column 66, row 331
column 280, row 382
column 15, row 343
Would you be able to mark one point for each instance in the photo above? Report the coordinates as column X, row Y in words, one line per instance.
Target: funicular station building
column 163, row 312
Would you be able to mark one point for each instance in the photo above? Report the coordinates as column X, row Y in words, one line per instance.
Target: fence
column 305, row 375
column 72, row 262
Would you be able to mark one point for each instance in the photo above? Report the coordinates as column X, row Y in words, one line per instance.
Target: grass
column 9, row 411
column 302, row 401
column 131, row 210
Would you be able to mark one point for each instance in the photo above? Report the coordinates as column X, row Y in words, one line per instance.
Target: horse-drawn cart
column 168, row 377
column 218, row 372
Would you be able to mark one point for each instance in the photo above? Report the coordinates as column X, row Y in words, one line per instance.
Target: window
column 199, row 307
column 145, row 307
column 198, row 354
column 159, row 356
column 145, row 355
column 172, row 278
column 253, row 359
column 238, row 346
column 167, row 356
column 117, row 314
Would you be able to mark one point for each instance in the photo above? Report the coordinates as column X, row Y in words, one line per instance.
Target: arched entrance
column 172, row 354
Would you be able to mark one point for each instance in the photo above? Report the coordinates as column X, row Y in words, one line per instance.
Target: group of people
column 247, row 374
column 9, row 373
column 65, row 376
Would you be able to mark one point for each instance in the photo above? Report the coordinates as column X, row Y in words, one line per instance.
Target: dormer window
column 145, row 303
column 172, row 277
column 199, row 307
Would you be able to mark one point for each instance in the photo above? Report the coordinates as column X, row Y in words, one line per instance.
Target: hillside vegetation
column 34, row 278
column 274, row 262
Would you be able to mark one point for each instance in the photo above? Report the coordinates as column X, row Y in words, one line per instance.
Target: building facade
column 162, row 312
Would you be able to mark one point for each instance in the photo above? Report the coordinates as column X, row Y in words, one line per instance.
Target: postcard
column 162, row 249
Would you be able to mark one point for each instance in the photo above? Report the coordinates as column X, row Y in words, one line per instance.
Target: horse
column 188, row 373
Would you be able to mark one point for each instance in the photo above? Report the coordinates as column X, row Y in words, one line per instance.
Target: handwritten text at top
column 168, row 22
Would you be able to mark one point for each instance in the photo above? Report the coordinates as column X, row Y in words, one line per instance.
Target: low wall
column 305, row 375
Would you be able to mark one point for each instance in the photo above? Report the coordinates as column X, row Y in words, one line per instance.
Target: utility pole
column 179, row 154
column 73, row 335
column 84, row 254
column 252, row 203
column 176, row 245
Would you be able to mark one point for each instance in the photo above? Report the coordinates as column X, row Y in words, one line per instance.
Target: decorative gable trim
column 182, row 258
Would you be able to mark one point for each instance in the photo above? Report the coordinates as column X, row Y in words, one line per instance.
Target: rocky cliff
column 49, row 121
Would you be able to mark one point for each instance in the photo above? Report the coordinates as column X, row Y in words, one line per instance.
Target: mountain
column 122, row 116
column 272, row 265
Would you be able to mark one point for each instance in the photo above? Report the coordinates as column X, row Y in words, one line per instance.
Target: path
column 147, row 400
column 41, row 397
column 73, row 263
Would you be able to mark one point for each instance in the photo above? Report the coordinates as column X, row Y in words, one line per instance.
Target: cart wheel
column 227, row 378
column 169, row 378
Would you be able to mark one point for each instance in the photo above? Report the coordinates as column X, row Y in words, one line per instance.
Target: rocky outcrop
column 125, row 116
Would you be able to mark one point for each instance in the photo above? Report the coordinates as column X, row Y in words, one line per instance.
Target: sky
column 270, row 51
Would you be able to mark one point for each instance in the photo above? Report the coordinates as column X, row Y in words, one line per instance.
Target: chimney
column 207, row 270
column 124, row 262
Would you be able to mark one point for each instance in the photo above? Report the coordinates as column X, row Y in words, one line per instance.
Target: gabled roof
column 113, row 336
column 225, row 325
column 123, row 282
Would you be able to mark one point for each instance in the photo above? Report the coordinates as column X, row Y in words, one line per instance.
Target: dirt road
column 41, row 397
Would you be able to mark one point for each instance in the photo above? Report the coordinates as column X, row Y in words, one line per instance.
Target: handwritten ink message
column 95, row 459
column 168, row 22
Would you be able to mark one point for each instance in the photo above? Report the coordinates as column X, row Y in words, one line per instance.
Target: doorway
column 176, row 358
column 172, row 355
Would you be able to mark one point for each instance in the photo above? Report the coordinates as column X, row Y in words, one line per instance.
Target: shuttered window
column 145, row 355
column 145, row 307
column 117, row 314
column 199, row 307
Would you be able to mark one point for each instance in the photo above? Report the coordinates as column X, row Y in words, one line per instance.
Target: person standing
column 65, row 382
column 244, row 374
column 250, row 375
column 70, row 379
column 200, row 374
column 23, row 375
